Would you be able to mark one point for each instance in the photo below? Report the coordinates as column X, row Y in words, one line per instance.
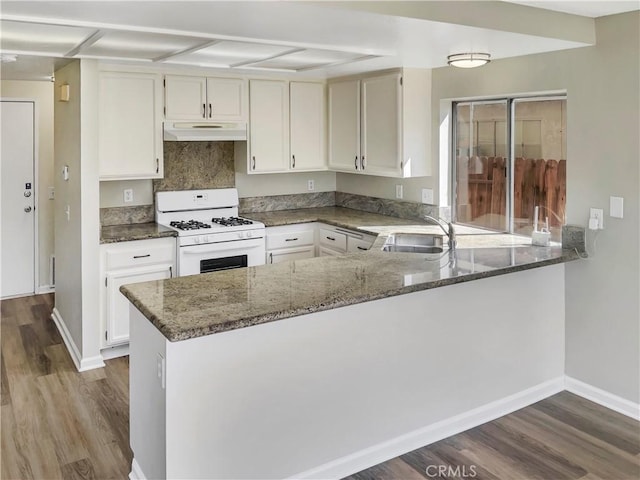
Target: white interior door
column 17, row 199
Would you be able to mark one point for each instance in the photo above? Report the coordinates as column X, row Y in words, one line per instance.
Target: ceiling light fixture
column 468, row 60
column 8, row 58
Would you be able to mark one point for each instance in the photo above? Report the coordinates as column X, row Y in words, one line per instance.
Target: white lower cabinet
column 307, row 240
column 124, row 263
column 340, row 240
column 290, row 242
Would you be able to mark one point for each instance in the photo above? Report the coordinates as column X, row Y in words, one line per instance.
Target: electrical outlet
column 128, row 195
column 597, row 214
column 52, row 193
column 427, row 196
column 311, row 185
column 399, row 192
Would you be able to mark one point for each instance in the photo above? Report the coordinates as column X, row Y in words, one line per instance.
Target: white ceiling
column 238, row 33
column 591, row 9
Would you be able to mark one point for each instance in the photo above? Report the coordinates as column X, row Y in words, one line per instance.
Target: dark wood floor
column 61, row 424
column 58, row 423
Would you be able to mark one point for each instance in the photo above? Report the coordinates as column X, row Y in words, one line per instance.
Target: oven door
column 212, row 257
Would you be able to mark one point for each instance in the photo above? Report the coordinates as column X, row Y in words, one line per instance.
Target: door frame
column 36, row 197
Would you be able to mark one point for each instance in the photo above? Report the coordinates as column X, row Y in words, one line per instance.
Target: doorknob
column 27, row 209
column 27, row 193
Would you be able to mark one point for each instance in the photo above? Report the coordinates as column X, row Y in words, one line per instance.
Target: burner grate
column 231, row 221
column 189, row 225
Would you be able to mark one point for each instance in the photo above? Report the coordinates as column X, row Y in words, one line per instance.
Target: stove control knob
column 249, row 234
column 240, row 234
column 205, row 239
column 196, row 239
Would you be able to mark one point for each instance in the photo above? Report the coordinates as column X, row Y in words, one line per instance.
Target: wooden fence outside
column 482, row 198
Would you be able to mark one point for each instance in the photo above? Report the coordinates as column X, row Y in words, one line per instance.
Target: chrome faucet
column 449, row 231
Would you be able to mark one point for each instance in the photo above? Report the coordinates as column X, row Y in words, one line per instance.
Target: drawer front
column 146, row 253
column 290, row 254
column 332, row 239
column 359, row 245
column 289, row 239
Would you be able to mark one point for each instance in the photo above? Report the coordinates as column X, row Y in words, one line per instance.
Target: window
column 510, row 156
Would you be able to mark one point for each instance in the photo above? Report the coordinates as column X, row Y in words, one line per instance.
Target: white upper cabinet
column 381, row 124
column 130, row 126
column 307, row 126
column 380, row 145
column 269, row 126
column 344, row 125
column 286, row 128
column 201, row 98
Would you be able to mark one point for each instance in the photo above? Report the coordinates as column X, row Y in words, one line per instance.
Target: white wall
column 68, row 301
column 77, row 237
column 602, row 85
column 283, row 183
column 42, row 93
column 111, row 193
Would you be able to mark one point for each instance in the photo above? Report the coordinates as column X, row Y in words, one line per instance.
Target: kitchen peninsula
column 346, row 361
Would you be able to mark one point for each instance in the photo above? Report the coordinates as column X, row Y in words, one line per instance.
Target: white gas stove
column 211, row 235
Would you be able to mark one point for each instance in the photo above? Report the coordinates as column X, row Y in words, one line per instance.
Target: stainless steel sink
column 414, row 243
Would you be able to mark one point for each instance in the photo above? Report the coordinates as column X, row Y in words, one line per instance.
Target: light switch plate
column 616, row 207
column 427, row 196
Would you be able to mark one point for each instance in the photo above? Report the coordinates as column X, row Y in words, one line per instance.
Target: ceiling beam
column 87, row 42
column 277, row 55
column 186, row 51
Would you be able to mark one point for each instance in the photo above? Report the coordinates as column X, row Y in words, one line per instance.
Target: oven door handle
column 220, row 247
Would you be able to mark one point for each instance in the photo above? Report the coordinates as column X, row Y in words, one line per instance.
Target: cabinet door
column 381, row 125
column 328, row 252
column 226, row 99
column 344, row 126
column 185, row 98
column 118, row 305
column 307, row 126
column 269, row 126
column 287, row 254
column 130, row 126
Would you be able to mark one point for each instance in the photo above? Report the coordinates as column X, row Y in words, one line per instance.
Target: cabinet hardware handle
column 254, row 163
column 291, row 239
column 331, row 238
column 142, row 256
column 210, row 111
column 364, row 164
column 294, row 161
column 362, row 248
column 157, row 165
column 356, row 162
column 204, row 110
column 271, row 257
column 171, row 270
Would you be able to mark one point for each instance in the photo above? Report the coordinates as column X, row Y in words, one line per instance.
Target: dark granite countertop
column 193, row 306
column 134, row 231
column 338, row 216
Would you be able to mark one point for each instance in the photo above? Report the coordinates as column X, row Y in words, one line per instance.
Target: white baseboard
column 602, row 397
column 82, row 364
column 382, row 452
column 136, row 472
column 115, row 352
column 45, row 289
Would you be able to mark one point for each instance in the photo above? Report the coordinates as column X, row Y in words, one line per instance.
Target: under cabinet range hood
column 204, row 131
